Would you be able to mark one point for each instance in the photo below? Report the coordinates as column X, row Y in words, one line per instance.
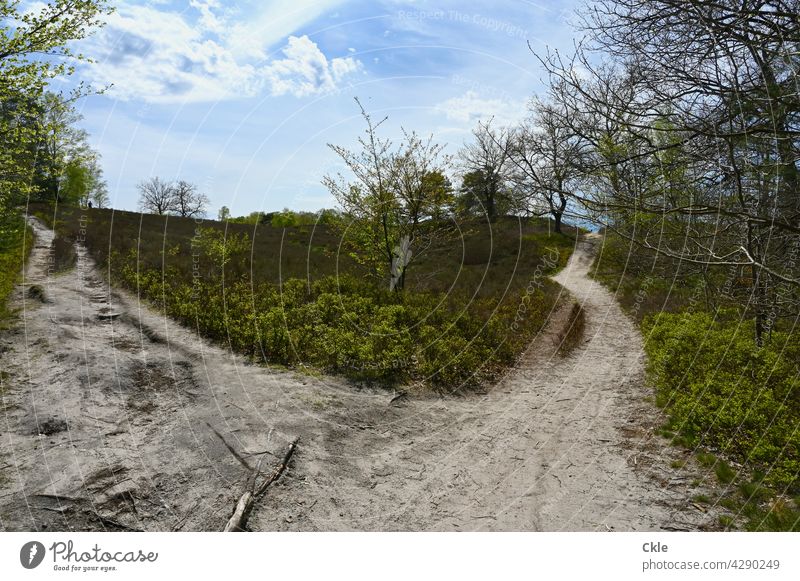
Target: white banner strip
column 417, row 556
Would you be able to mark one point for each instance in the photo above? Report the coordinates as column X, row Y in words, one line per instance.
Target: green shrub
column 725, row 393
column 262, row 293
column 779, row 515
column 361, row 331
column 16, row 241
column 557, row 248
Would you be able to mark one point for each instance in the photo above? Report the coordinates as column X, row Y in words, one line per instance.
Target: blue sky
column 242, row 97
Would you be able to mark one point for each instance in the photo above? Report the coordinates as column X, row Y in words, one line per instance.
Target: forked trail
column 115, row 417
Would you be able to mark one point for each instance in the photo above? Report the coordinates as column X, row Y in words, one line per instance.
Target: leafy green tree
column 98, row 191
column 330, row 217
column 252, row 218
column 480, row 195
column 439, row 194
column 76, row 182
column 82, row 181
column 36, row 45
column 285, row 219
column 390, row 203
column 61, row 143
column 224, row 214
column 19, row 130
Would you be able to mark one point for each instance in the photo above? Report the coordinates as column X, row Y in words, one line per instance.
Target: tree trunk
column 558, row 211
column 491, row 211
column 557, row 216
column 759, row 303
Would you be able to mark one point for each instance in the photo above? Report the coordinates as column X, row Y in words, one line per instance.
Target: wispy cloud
column 471, row 108
column 268, row 23
column 156, row 55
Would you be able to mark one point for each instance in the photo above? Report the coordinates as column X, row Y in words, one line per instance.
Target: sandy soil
column 115, row 417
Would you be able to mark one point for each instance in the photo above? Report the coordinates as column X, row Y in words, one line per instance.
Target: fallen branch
column 244, row 506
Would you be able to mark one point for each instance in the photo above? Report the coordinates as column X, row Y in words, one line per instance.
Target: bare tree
column 691, row 115
column 547, row 157
column 99, row 196
column 487, row 168
column 189, row 203
column 157, row 196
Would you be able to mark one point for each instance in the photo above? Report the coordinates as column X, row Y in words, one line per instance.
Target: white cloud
column 305, row 70
column 209, row 20
column 160, row 56
column 471, row 108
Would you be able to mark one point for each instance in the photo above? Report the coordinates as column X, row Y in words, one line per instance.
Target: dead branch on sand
column 244, row 506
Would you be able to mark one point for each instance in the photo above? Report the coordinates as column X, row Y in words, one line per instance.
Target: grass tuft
column 724, row 472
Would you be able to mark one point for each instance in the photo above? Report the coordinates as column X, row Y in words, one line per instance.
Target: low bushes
column 725, row 393
column 348, row 326
column 16, row 241
column 290, row 297
column 721, row 392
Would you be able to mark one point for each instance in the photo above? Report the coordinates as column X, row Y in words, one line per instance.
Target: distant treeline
column 286, row 218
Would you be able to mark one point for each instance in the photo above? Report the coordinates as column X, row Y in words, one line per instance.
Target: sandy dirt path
column 114, row 417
